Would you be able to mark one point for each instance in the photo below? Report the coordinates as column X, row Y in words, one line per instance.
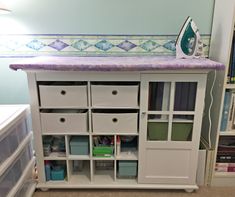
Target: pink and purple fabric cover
column 140, row 63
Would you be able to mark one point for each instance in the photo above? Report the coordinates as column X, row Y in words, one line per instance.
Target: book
column 224, row 120
column 230, row 122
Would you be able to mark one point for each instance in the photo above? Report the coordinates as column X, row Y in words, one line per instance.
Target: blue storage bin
column 127, row 169
column 79, row 145
column 57, row 173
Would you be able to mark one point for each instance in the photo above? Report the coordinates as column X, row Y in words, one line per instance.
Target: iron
column 188, row 42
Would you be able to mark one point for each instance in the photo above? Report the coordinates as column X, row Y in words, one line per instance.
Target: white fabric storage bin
column 115, row 122
column 64, row 122
column 114, row 95
column 63, row 96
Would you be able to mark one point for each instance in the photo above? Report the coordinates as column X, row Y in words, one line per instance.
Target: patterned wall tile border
column 90, row 45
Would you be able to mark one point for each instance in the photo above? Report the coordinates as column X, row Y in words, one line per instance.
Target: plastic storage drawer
column 13, row 173
column 114, row 96
column 7, row 182
column 64, row 122
column 63, row 96
column 115, row 122
column 13, row 129
column 79, row 145
column 127, row 168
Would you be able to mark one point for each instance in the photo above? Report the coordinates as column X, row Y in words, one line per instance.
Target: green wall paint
column 13, row 85
column 110, row 16
column 162, row 17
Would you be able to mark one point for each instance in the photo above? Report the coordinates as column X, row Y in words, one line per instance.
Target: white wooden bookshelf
column 220, row 49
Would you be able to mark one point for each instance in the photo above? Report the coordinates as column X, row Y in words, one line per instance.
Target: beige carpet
column 204, row 191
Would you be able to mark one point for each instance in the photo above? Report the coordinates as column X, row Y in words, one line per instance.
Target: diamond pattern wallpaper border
column 90, row 45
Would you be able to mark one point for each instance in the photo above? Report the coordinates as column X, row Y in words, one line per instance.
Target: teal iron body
column 188, row 42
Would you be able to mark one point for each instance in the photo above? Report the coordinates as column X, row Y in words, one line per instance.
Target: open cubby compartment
column 115, row 121
column 226, row 153
column 182, row 127
column 103, row 146
column 127, row 169
column 115, row 94
column 127, row 147
column 55, row 170
column 64, row 121
column 54, row 145
column 103, row 171
column 78, row 146
column 79, row 171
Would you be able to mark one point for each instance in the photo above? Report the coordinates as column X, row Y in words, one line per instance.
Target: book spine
column 231, row 113
column 232, row 63
column 224, row 120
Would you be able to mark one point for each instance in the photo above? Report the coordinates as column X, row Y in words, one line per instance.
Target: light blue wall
column 162, row 17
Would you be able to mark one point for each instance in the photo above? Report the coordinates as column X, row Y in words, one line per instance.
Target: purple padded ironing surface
column 137, row 63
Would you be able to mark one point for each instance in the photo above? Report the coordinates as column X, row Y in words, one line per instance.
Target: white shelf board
column 79, row 157
column 227, row 133
column 128, row 181
column 103, row 177
column 132, row 155
column 116, row 133
column 56, row 154
column 110, row 107
column 103, row 158
column 230, row 86
column 68, row 134
column 225, row 174
column 81, row 179
column 55, row 158
column 119, row 184
column 63, row 107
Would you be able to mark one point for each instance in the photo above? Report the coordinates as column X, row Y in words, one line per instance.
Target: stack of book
column 227, row 121
column 225, row 160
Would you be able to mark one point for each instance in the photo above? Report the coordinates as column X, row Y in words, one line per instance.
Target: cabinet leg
column 43, row 189
column 189, row 190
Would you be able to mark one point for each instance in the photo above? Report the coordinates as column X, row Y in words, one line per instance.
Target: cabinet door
column 170, row 125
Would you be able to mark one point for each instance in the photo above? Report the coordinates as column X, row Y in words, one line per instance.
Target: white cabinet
column 170, row 123
column 138, row 129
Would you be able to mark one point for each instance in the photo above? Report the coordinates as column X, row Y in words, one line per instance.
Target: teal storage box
column 127, row 169
column 57, row 174
column 79, row 145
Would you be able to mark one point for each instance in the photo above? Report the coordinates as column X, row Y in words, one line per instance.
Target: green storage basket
column 181, row 131
column 102, row 151
column 157, row 130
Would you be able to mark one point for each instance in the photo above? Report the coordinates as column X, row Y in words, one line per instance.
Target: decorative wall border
column 90, row 45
